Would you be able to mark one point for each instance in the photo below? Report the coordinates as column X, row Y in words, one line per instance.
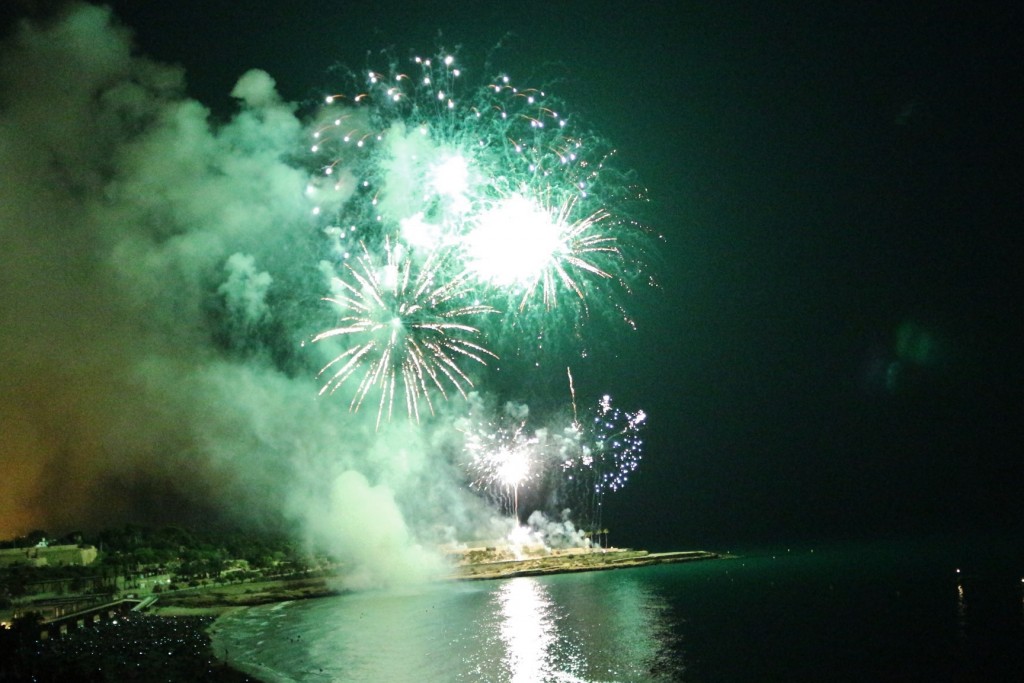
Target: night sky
column 835, row 350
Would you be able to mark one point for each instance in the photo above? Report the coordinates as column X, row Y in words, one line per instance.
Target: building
column 48, row 556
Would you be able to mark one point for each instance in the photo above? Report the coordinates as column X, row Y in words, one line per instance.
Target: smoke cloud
column 163, row 274
column 159, row 276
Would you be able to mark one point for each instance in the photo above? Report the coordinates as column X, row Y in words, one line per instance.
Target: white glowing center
column 419, row 232
column 514, row 467
column 389, row 278
column 513, row 242
column 450, row 178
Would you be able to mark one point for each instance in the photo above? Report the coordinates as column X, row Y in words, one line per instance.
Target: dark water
column 892, row 611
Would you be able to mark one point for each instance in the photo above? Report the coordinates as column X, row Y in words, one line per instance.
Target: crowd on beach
column 134, row 647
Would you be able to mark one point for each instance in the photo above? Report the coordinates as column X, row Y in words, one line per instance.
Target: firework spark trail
column 501, row 459
column 572, row 397
column 608, row 450
column 494, row 177
column 569, row 467
column 521, row 245
column 446, row 204
column 617, row 434
column 404, row 329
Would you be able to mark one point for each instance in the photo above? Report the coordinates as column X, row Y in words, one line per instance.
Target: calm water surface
column 881, row 611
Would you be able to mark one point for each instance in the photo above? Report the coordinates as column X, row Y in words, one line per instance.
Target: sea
column 924, row 609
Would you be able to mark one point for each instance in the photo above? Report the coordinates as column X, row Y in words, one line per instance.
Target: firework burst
column 617, row 436
column 609, row 448
column 501, row 459
column 564, row 468
column 406, row 327
column 531, row 251
column 493, row 175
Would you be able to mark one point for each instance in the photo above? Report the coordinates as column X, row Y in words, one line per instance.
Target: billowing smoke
column 159, row 278
column 163, row 278
column 560, row 533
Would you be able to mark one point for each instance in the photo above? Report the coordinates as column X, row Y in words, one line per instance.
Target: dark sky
column 835, row 350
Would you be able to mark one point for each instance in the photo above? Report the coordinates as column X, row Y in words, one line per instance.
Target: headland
column 474, row 565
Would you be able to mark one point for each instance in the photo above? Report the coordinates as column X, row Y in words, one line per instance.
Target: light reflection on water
column 569, row 629
column 855, row 612
column 527, row 629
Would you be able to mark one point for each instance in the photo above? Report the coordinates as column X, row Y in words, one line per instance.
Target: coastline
column 281, row 591
column 215, row 601
column 222, row 599
column 193, row 614
column 575, row 562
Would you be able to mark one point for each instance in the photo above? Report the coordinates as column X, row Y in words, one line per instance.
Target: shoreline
column 219, row 600
column 571, row 563
column 565, row 563
column 196, row 612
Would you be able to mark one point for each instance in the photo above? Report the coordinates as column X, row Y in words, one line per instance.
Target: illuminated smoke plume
column 164, row 276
